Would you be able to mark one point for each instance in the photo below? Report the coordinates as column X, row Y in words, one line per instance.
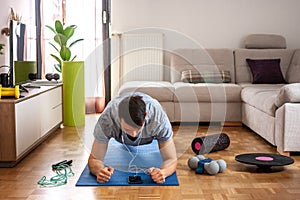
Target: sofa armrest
column 287, row 137
column 288, row 94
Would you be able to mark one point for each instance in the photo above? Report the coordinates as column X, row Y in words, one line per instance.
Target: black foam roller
column 210, row 143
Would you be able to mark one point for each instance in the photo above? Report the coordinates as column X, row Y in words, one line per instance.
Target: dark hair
column 133, row 110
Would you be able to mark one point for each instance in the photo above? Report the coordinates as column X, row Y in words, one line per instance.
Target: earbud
column 122, row 138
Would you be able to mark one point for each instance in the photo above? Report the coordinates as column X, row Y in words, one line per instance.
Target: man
column 133, row 119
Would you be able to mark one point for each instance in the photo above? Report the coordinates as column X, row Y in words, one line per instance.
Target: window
column 86, row 15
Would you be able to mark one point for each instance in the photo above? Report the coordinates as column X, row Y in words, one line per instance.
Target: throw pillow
column 194, row 76
column 266, row 71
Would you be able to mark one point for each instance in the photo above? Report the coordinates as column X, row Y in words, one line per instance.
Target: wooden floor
column 239, row 181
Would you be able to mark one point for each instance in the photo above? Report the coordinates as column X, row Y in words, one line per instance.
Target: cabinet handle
column 54, row 107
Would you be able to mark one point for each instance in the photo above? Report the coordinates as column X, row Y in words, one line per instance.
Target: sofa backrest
column 243, row 72
column 293, row 73
column 201, row 60
column 261, row 46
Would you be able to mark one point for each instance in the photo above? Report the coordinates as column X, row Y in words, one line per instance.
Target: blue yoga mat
column 129, row 161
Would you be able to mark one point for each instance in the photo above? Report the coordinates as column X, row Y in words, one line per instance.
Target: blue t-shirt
column 157, row 125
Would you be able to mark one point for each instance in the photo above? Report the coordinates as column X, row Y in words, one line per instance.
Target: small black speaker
column 51, row 76
column 210, row 143
column 32, row 76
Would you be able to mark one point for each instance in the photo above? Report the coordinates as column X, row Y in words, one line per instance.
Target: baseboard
column 229, row 124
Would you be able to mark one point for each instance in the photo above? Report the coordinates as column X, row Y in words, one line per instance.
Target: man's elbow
column 175, row 164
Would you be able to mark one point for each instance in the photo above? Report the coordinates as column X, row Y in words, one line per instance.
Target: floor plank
column 239, row 181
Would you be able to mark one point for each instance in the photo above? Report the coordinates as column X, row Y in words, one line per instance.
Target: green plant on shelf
column 1, row 49
column 62, row 45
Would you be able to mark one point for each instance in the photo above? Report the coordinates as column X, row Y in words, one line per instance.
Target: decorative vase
column 73, row 93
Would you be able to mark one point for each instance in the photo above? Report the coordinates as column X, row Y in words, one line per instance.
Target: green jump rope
column 63, row 171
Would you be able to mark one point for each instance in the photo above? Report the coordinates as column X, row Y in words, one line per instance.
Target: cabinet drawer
column 51, row 119
column 52, row 98
column 51, row 110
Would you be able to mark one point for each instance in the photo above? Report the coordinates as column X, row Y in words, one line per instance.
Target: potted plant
column 62, row 36
column 72, row 74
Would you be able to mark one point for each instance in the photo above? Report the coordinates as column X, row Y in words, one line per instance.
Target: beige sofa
column 271, row 110
column 189, row 102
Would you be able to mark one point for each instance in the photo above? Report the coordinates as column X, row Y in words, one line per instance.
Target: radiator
column 141, row 57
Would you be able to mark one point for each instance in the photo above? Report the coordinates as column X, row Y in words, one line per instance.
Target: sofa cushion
column 201, row 60
column 288, row 94
column 292, row 75
column 161, row 90
column 207, row 92
column 266, row 71
column 265, row 41
column 268, row 86
column 194, row 76
column 261, row 97
column 243, row 72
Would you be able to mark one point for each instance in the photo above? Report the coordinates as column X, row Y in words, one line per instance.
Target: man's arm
column 168, row 167
column 96, row 162
column 169, row 156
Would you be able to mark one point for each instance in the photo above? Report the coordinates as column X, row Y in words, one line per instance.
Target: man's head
column 132, row 113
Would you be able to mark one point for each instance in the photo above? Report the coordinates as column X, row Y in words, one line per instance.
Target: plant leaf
column 52, row 29
column 60, row 39
column 54, row 47
column 73, row 58
column 57, row 67
column 65, row 53
column 69, row 31
column 75, row 42
column 59, row 27
column 1, row 48
column 56, row 58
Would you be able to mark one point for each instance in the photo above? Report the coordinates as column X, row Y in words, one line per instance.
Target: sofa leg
column 229, row 124
column 284, row 153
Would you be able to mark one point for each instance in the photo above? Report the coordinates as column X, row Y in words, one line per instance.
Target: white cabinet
column 36, row 116
column 26, row 122
column 50, row 110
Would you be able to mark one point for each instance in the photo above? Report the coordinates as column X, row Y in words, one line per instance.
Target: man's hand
column 104, row 174
column 156, row 175
column 96, row 164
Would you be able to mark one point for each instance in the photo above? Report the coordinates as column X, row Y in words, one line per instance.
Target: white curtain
column 51, row 10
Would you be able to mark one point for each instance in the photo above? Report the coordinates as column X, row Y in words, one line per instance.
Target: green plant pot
column 73, row 93
column 22, row 69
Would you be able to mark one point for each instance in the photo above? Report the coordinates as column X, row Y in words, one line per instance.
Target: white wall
column 211, row 23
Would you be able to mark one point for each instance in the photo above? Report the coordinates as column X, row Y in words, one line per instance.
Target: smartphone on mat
column 134, row 180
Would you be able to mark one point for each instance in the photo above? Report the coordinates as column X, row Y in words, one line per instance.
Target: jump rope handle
column 64, row 163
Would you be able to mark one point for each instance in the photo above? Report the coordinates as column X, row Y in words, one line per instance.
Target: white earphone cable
column 132, row 167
